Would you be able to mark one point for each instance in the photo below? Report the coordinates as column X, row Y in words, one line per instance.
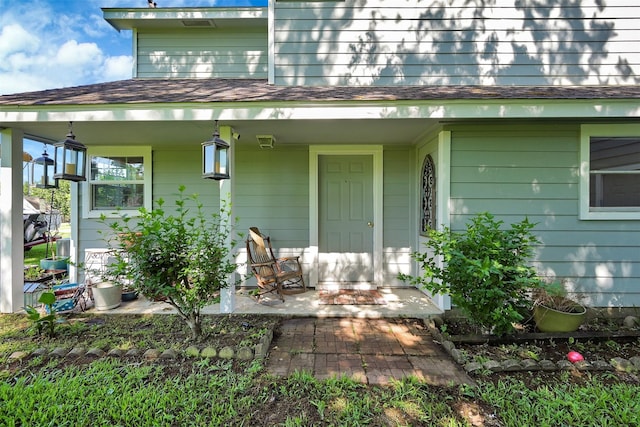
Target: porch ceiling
column 286, row 132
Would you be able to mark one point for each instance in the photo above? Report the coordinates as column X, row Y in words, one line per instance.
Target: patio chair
column 68, row 297
column 282, row 276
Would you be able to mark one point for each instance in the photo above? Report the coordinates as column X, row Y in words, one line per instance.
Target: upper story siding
column 457, row 42
column 201, row 53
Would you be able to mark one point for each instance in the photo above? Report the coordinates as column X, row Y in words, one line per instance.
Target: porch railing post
column 11, row 223
column 228, row 294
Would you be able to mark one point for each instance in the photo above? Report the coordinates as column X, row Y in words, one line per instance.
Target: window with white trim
column 610, row 159
column 119, row 181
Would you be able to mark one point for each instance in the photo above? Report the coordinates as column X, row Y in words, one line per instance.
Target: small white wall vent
column 266, row 141
column 198, row 23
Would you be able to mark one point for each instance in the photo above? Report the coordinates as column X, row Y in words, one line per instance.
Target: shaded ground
column 277, row 399
column 600, row 339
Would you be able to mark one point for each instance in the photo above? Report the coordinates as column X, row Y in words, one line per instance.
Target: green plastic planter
column 549, row 320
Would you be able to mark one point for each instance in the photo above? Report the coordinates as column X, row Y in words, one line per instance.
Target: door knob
column 370, row 224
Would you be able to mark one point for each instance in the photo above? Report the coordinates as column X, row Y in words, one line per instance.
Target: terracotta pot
column 550, row 320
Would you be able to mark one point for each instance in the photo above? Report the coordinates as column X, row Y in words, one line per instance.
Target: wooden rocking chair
column 280, row 275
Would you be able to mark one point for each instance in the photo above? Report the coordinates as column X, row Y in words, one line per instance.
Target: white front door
column 345, row 219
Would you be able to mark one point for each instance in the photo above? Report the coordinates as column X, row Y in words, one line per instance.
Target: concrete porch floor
column 401, row 303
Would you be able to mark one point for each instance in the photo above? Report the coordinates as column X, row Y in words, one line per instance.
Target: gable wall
column 202, row 53
column 504, row 42
column 514, row 171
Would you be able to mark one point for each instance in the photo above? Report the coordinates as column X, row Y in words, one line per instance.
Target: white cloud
column 74, row 54
column 117, row 68
column 69, row 44
column 46, row 44
column 14, row 38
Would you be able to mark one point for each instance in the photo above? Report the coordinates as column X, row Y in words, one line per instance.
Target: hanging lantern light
column 215, row 157
column 70, row 158
column 43, row 168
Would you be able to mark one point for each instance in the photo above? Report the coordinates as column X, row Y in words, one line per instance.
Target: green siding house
column 356, row 125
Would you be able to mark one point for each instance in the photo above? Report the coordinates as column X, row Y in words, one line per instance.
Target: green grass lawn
column 36, row 253
column 189, row 391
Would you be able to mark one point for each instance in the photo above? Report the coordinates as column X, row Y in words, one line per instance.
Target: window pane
column 112, row 196
column 117, row 168
column 615, row 154
column 609, row 185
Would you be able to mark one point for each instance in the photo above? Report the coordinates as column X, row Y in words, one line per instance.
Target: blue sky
column 47, row 44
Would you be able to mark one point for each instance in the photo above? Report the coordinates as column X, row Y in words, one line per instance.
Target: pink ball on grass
column 574, row 357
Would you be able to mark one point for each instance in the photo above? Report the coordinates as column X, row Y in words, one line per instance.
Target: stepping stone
column 96, row 352
column 547, row 365
column 169, row 354
column 151, row 354
column 530, row 365
column 192, row 351
column 58, row 352
column 209, row 352
column 18, row 355
column 115, row 352
column 39, row 351
column 493, row 366
column 245, row 353
column 226, row 353
column 76, row 352
column 511, row 365
column 623, row 365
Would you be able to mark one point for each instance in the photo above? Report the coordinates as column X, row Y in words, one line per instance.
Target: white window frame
column 138, row 151
column 604, row 130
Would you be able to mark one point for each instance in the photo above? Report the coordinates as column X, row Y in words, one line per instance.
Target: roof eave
column 130, row 18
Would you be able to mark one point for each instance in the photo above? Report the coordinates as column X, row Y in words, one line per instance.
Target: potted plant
column 553, row 311
column 106, row 295
column 34, row 273
column 129, row 293
column 54, row 262
column 105, row 283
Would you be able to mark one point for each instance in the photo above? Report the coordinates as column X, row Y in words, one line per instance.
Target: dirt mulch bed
column 600, row 339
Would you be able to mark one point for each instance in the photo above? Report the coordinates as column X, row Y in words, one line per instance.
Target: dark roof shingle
column 140, row 91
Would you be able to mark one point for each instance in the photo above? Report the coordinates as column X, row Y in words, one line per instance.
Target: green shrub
column 183, row 258
column 484, row 270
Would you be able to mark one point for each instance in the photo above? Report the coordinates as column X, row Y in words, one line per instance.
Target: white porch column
column 11, row 223
column 228, row 294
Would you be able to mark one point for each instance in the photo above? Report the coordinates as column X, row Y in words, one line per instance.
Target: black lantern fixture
column 215, row 157
column 44, row 169
column 70, row 158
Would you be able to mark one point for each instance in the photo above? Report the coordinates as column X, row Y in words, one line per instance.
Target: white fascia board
column 551, row 109
column 129, row 18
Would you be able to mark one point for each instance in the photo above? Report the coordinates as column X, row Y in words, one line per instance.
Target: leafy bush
column 40, row 321
column 182, row 258
column 484, row 270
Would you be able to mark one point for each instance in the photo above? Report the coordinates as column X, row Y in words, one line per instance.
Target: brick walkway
column 372, row 351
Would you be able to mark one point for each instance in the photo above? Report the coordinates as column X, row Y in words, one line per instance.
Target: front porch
column 400, row 303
